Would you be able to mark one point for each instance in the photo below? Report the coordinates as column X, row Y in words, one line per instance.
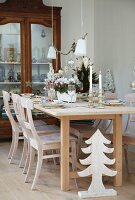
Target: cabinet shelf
column 39, row 83
column 10, row 63
column 38, row 63
column 9, row 83
column 18, row 63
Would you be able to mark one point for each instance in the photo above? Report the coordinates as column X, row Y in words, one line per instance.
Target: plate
column 27, row 95
column 54, row 104
column 114, row 103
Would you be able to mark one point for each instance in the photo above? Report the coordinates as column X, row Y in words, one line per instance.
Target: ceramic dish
column 53, row 104
column 114, row 102
column 27, row 95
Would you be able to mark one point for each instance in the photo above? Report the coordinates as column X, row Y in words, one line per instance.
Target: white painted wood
column 41, row 127
column 40, row 143
column 97, row 160
column 16, row 130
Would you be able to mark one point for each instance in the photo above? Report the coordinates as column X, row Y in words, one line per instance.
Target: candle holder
column 91, row 103
column 100, row 99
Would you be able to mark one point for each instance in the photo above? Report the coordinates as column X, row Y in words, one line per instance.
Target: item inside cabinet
column 10, row 54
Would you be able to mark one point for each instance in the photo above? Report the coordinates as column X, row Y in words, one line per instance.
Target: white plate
column 114, row 103
column 53, row 104
column 27, row 95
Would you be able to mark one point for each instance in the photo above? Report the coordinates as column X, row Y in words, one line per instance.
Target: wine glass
column 79, row 90
column 71, row 91
column 51, row 92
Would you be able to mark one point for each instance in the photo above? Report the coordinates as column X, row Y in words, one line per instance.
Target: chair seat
column 128, row 139
column 51, row 138
column 39, row 122
column 50, row 128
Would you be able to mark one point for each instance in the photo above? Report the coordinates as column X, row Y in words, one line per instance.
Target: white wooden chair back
column 26, row 105
column 22, row 117
column 130, row 99
column 14, row 99
column 6, row 100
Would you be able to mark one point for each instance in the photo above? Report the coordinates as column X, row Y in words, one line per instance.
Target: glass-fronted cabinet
column 40, row 63
column 10, row 63
column 25, row 36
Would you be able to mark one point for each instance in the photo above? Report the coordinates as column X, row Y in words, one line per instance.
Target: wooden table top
column 82, row 109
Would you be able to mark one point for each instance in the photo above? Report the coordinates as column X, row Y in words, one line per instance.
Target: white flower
column 79, row 62
column 86, row 61
column 76, row 78
column 71, row 80
column 62, row 81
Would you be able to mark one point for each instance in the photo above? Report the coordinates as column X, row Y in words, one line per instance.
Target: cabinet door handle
column 28, row 84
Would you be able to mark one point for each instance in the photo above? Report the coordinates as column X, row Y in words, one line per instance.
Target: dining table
column 82, row 111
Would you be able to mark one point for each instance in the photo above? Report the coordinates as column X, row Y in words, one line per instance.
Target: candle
column 100, row 81
column 90, row 77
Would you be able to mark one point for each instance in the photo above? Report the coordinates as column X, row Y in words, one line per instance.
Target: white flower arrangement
column 83, row 61
column 61, row 84
column 82, row 72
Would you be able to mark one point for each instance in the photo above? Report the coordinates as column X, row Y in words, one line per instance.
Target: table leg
column 117, row 141
column 65, row 154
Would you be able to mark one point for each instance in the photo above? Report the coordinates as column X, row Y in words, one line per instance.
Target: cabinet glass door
column 10, row 65
column 40, row 40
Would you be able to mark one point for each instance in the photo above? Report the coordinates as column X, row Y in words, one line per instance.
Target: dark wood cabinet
column 26, row 13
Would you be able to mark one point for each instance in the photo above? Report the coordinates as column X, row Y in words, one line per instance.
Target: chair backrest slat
column 25, row 107
column 130, row 99
column 6, row 100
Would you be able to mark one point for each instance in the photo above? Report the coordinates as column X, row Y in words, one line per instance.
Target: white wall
column 114, row 44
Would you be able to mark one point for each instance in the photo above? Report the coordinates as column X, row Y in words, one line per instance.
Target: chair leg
column 24, row 153
column 74, row 159
column 27, row 159
column 73, row 155
column 31, row 161
column 12, row 146
column 126, row 158
column 38, row 169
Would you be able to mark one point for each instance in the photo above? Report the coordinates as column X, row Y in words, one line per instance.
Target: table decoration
column 61, row 88
column 100, row 96
column 91, row 103
column 90, row 88
column 82, row 70
column 96, row 166
column 108, row 84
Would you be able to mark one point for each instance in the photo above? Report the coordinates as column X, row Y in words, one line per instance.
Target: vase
column 65, row 97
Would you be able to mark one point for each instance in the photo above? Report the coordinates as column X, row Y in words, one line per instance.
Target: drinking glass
column 51, row 92
column 71, row 91
column 79, row 90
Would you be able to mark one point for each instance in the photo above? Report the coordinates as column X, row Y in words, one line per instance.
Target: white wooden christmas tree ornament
column 97, row 161
column 109, row 82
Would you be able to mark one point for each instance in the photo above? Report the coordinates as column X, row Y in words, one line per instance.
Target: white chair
column 17, row 133
column 129, row 133
column 40, row 143
column 41, row 128
column 16, row 130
